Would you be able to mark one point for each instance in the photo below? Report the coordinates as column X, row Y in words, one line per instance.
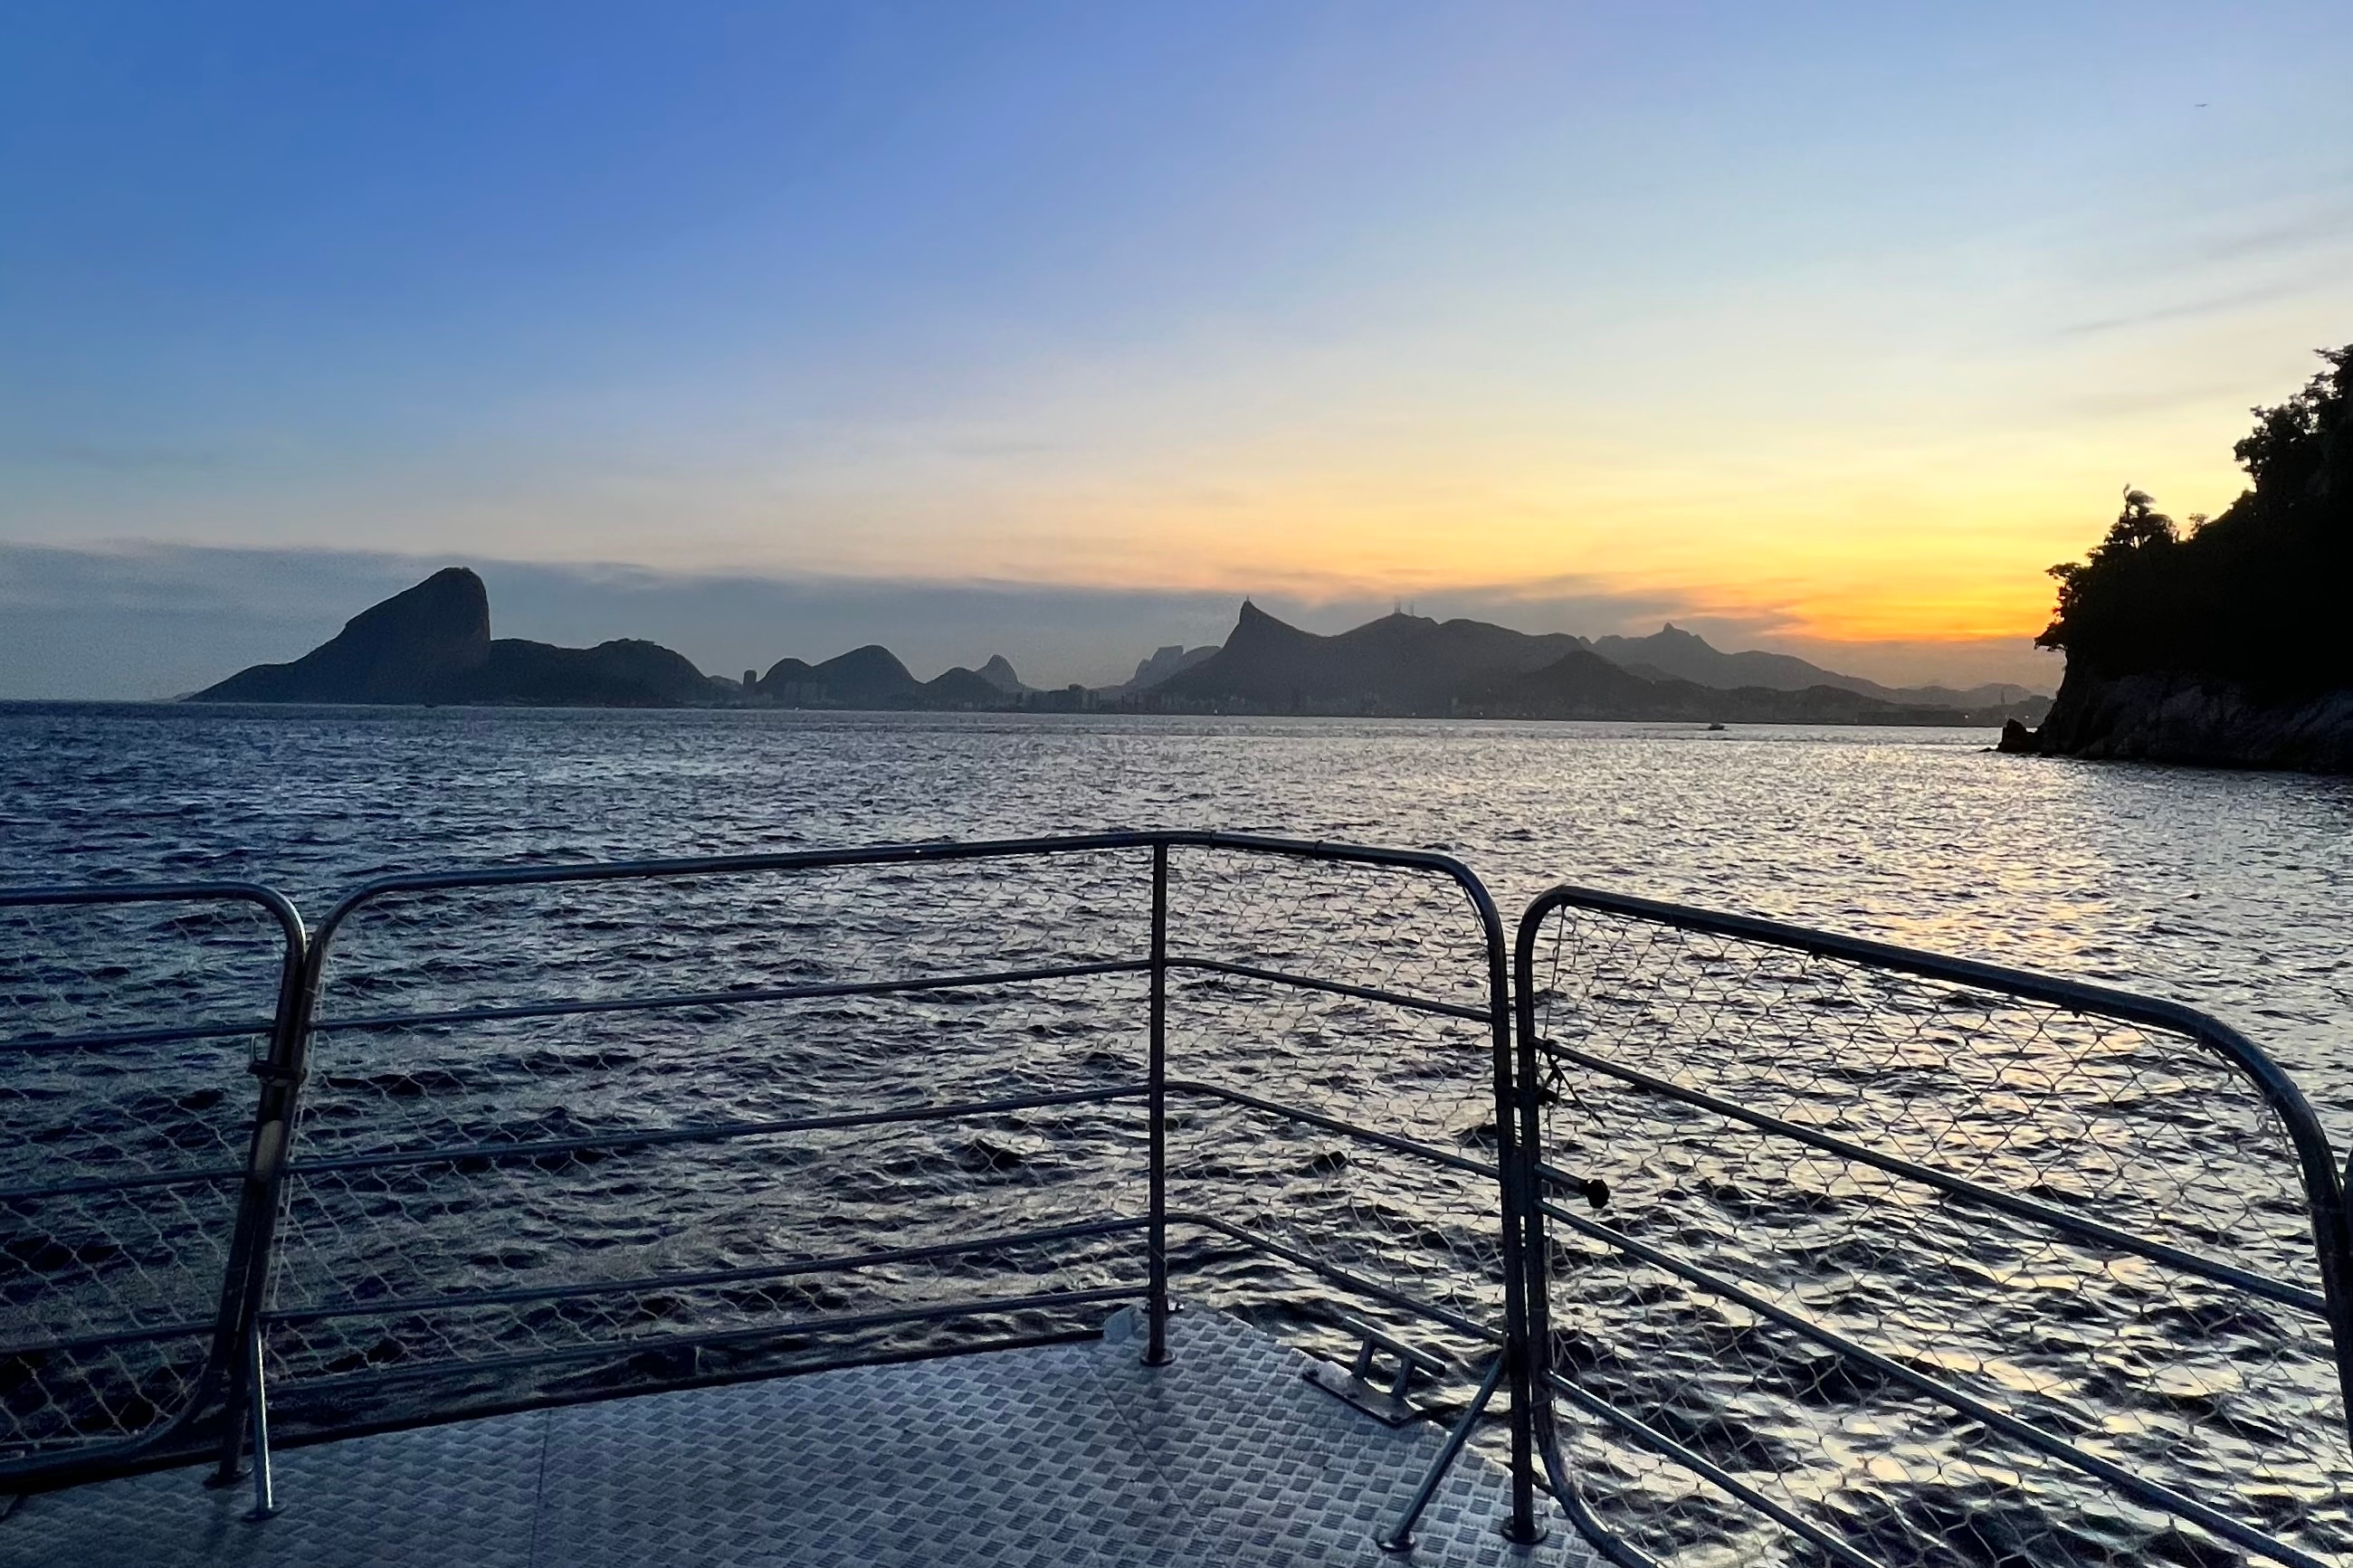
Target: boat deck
column 1072, row 1455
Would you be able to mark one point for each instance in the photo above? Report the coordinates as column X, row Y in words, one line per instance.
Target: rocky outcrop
column 410, row 649
column 432, row 644
column 2222, row 640
column 2184, row 718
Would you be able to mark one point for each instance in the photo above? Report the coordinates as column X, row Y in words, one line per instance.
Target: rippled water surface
column 2226, row 890
column 2231, row 890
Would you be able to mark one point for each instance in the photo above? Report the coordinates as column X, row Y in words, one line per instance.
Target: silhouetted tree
column 2262, row 593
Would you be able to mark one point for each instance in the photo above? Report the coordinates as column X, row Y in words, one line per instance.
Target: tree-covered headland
column 2262, row 593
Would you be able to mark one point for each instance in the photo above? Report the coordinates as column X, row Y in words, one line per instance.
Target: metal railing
column 1869, row 1255
column 1775, row 1246
column 146, row 1106
column 573, row 1129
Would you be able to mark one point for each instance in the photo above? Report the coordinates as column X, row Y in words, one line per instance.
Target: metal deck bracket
column 1131, row 1324
column 1398, row 1536
column 1388, row 1406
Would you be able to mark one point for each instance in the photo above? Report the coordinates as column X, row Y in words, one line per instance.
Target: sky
column 1057, row 329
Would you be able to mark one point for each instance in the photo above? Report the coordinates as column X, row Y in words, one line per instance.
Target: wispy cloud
column 2210, row 305
column 2271, row 239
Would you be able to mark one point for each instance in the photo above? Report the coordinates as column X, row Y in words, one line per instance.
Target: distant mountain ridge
column 432, row 644
column 1158, row 666
column 1408, row 665
column 1679, row 655
column 1399, row 663
column 873, row 677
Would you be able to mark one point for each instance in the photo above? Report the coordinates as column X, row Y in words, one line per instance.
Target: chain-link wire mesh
column 558, row 1137
column 127, row 1029
column 1407, row 1053
column 516, row 1178
column 582, row 1189
column 2225, row 1394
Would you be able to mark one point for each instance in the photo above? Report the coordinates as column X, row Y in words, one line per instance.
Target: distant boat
column 1715, row 726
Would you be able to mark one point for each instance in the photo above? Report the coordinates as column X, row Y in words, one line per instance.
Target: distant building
column 1071, row 698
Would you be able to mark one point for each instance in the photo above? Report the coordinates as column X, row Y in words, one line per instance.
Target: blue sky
column 1825, row 327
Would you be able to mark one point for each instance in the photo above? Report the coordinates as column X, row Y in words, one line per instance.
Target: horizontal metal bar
column 464, row 1300
column 1362, row 992
column 1652, row 1438
column 180, row 1331
column 727, row 998
column 269, row 898
column 1339, row 1276
column 1962, row 1188
column 2140, row 1489
column 898, row 854
column 642, row 1345
column 711, row 1133
column 1346, row 1129
column 91, row 1184
column 105, row 1039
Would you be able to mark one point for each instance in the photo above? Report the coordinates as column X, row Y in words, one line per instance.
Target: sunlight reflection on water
column 2229, row 890
column 2226, row 890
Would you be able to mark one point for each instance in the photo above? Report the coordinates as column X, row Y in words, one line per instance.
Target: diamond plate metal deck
column 1071, row 1457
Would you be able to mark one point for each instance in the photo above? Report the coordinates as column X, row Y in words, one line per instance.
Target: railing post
column 253, row 1251
column 2337, row 1267
column 1519, row 1120
column 265, row 1486
column 1155, row 1352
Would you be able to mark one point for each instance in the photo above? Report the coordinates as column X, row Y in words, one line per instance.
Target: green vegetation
column 2262, row 593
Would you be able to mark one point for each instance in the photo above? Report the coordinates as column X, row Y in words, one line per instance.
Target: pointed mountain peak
column 1254, row 626
column 999, row 673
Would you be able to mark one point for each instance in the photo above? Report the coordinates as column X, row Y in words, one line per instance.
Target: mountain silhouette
column 432, row 643
column 1672, row 653
column 1174, row 658
column 868, row 677
column 1411, row 666
column 999, row 672
column 873, row 676
column 1399, row 664
column 405, row 649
